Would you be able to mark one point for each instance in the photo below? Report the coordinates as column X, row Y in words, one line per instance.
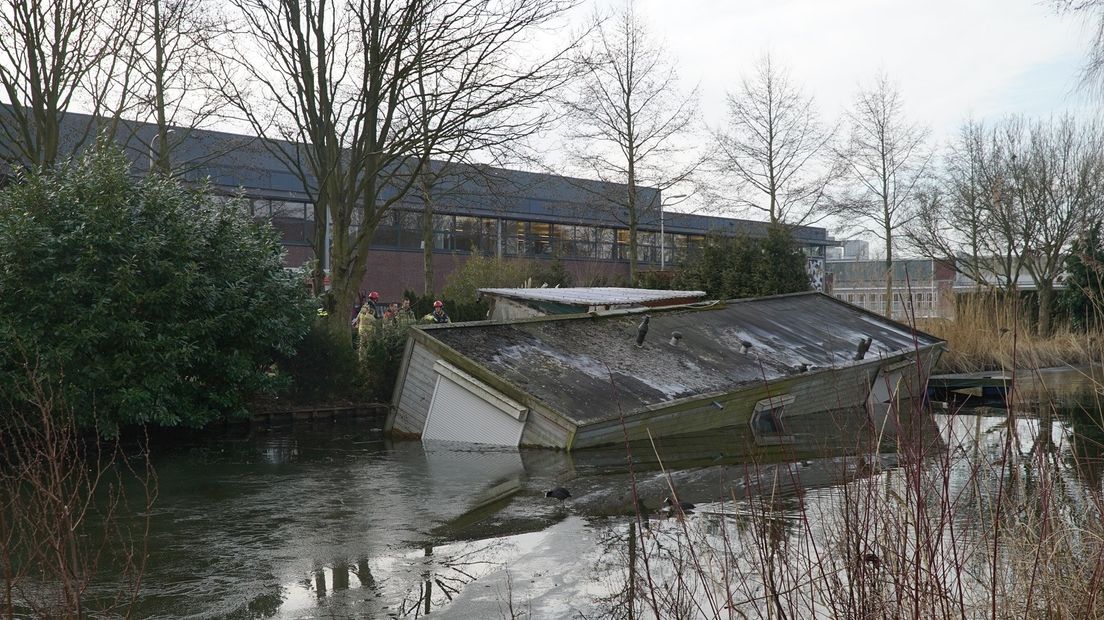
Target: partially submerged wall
column 411, row 405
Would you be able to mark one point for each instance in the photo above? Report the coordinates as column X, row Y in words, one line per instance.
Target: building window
column 488, row 241
column 466, row 235
column 442, row 232
column 387, row 231
column 767, row 423
column 695, row 246
column 668, row 249
column 513, row 233
column 410, row 230
column 622, row 244
column 577, row 241
column 646, row 247
column 682, row 248
column 540, row 237
column 605, row 244
column 308, row 223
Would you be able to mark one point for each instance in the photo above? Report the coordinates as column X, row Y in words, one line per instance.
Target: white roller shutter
column 466, row 409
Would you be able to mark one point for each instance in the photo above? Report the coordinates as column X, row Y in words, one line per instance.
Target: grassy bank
column 990, row 335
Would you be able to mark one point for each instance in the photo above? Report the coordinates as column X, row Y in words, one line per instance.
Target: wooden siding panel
column 417, row 391
column 541, row 430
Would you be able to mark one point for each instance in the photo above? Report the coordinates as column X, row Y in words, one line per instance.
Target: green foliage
column 733, row 267
column 323, row 368
column 658, row 280
column 147, row 302
column 1083, row 299
column 457, row 310
column 782, row 264
column 553, row 273
column 491, row 272
column 381, row 357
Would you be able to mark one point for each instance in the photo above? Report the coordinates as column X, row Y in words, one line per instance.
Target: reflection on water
column 331, row 520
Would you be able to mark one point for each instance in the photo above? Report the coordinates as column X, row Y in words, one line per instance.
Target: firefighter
column 438, row 315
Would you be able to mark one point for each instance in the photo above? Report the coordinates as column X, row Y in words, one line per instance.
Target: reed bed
column 992, row 333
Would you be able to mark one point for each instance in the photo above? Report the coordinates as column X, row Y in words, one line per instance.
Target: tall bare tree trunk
column 889, row 252
column 427, row 235
column 1046, row 299
column 634, row 218
column 161, row 163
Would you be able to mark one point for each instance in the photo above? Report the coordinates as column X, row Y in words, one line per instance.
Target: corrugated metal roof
column 573, row 363
column 593, row 295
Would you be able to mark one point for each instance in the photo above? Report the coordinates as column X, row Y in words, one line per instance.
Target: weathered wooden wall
column 411, row 405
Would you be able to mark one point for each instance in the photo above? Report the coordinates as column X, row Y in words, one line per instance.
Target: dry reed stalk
column 980, row 338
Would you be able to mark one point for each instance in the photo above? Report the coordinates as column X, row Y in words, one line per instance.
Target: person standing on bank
column 373, row 303
column 365, row 322
column 406, row 313
column 439, row 315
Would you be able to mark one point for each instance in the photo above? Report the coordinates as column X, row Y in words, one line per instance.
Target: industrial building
column 478, row 210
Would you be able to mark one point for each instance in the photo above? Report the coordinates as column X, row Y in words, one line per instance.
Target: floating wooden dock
column 376, row 413
column 992, row 384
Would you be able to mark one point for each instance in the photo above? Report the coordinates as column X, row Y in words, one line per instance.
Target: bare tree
column 886, row 159
column 1061, row 183
column 967, row 214
column 774, row 150
column 1017, row 195
column 1092, row 73
column 175, row 70
column 338, row 79
column 56, row 55
column 627, row 117
column 496, row 131
column 66, row 518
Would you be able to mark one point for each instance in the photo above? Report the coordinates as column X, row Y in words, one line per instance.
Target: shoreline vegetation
column 992, row 335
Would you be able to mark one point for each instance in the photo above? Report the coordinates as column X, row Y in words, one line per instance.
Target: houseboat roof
column 588, row 367
column 594, row 295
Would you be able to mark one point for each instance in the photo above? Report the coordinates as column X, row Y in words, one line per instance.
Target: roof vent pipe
column 675, row 337
column 642, row 331
column 745, row 346
column 864, row 346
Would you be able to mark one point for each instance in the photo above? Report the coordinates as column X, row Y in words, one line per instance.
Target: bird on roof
column 559, row 493
column 680, row 506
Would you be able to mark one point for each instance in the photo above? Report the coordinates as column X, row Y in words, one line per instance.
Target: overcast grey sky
column 951, row 58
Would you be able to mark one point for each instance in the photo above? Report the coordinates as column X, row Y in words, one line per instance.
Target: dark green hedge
column 141, row 301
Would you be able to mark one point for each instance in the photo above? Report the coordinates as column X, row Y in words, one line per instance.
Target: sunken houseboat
column 583, row 380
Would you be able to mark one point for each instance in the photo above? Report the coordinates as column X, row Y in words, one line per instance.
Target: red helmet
column 438, row 304
column 373, row 295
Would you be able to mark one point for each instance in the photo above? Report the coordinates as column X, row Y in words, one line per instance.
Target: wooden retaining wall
column 373, row 414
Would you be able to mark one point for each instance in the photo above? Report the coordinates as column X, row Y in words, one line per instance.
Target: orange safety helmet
column 438, row 304
column 373, row 295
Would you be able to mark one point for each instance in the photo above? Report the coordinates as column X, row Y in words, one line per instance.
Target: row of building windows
column 862, row 299
column 495, row 236
column 489, row 236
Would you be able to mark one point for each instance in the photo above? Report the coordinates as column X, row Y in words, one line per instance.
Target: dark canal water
column 333, row 520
